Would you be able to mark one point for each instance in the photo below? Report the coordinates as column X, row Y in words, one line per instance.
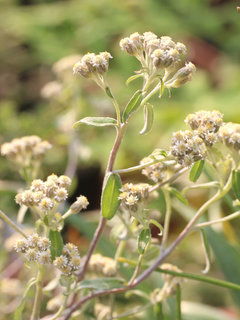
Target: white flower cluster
column 131, row 194
column 35, row 248
column 156, row 54
column 206, row 125
column 45, row 195
column 102, row 265
column 92, row 65
column 229, row 134
column 187, row 147
column 69, row 261
column 26, row 149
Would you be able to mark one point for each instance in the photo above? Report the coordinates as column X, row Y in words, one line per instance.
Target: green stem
column 37, row 299
column 63, row 306
column 228, row 218
column 195, row 277
column 167, row 218
column 178, row 302
column 11, row 223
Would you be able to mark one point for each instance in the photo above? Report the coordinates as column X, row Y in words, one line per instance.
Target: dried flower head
column 102, row 265
column 132, row 194
column 80, row 204
column 69, row 261
column 25, row 150
column 187, row 147
column 229, row 134
column 35, row 248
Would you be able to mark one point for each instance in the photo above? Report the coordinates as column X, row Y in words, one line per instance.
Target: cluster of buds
column 70, row 261
column 35, row 248
column 45, row 195
column 93, row 66
column 187, row 147
column 206, row 124
column 25, row 150
column 102, row 265
column 229, row 134
column 170, row 284
column 131, row 194
column 160, row 54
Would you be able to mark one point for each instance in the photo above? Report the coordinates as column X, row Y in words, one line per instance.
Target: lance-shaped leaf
column 132, row 78
column 96, row 121
column 196, row 170
column 144, row 240
column 148, row 119
column 110, row 197
column 132, row 105
column 178, row 195
column 101, row 284
column 236, row 183
column 56, row 243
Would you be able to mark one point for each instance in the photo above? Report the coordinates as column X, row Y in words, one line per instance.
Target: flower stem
column 167, row 218
column 11, row 223
column 37, row 299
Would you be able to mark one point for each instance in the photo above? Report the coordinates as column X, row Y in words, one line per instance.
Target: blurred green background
column 35, row 34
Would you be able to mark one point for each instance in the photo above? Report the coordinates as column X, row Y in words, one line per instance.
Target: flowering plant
column 209, row 145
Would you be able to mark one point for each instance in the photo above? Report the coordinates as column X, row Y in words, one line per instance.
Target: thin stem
column 135, row 168
column 136, row 270
column 37, row 299
column 168, row 181
column 133, row 311
column 151, row 93
column 11, row 223
column 63, row 306
column 202, row 186
column 167, row 218
column 209, row 223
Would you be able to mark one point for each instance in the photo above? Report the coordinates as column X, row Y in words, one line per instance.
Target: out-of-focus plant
column 78, row 282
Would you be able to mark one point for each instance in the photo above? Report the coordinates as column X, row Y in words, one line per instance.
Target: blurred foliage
column 34, row 34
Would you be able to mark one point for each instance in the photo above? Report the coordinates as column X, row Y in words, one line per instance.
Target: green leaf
column 196, row 170
column 101, row 284
column 236, row 183
column 206, row 250
column 110, row 197
column 227, row 257
column 96, row 121
column 148, row 119
column 19, row 310
column 132, row 78
column 132, row 105
column 109, row 93
column 162, row 202
column 56, row 243
column 178, row 195
column 144, row 240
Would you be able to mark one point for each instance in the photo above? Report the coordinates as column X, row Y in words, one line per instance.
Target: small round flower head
column 148, row 36
column 50, row 187
column 46, row 204
column 209, row 120
column 155, row 172
column 43, row 243
column 167, row 43
column 33, row 240
column 69, row 261
column 20, row 245
column 229, row 134
column 61, row 194
column 132, row 194
column 25, row 198
column 31, row 254
column 187, row 147
column 80, row 204
column 37, row 185
column 182, row 76
column 181, row 48
column 82, row 69
column 44, row 257
column 25, row 149
column 64, row 182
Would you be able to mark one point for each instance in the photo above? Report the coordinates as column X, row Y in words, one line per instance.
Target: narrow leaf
column 132, row 105
column 144, row 240
column 56, row 243
column 148, row 119
column 96, row 121
column 206, row 250
column 196, row 170
column 108, row 92
column 19, row 310
column 178, row 195
column 178, row 302
column 132, row 78
column 110, row 197
column 236, row 183
column 101, row 284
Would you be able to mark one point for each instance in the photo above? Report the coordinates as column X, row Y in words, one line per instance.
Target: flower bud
column 80, row 204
